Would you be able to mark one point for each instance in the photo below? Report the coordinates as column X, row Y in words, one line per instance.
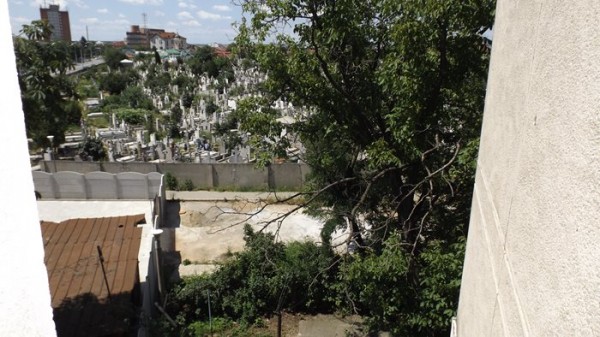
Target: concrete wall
column 97, row 185
column 240, row 176
column 24, row 292
column 532, row 264
column 285, row 176
column 203, row 176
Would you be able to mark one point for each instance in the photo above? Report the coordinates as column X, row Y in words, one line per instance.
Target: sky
column 200, row 21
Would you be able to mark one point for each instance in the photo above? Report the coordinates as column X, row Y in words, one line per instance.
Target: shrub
column 262, row 279
column 171, row 182
column 187, row 185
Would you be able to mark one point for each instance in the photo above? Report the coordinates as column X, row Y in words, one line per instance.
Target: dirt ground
column 314, row 326
column 209, row 231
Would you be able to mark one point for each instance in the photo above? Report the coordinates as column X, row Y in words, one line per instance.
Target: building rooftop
column 80, row 299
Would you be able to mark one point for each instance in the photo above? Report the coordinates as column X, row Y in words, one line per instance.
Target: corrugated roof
column 79, row 295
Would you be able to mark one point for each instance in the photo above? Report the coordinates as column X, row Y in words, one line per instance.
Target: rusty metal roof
column 79, row 294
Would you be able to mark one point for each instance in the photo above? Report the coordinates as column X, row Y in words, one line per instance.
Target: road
column 82, row 66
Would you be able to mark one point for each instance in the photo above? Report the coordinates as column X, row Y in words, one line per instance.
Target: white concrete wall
column 24, row 292
column 97, row 185
column 532, row 265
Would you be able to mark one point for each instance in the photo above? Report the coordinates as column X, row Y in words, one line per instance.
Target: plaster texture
column 24, row 291
column 532, row 265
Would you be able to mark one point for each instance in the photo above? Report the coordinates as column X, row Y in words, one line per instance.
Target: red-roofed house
column 168, row 40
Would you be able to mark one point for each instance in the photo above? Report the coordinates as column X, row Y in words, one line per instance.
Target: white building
column 167, row 40
column 533, row 258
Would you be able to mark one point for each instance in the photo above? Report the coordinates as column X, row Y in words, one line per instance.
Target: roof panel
column 79, row 294
column 87, row 225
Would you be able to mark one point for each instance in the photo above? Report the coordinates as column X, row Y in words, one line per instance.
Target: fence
column 96, row 185
column 287, row 176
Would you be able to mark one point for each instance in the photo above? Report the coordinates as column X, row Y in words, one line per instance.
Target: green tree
column 174, row 119
column 113, row 57
column 133, row 116
column 93, row 150
column 135, row 97
column 83, row 45
column 394, row 91
column 117, row 81
column 187, row 99
column 158, row 80
column 47, row 92
column 204, row 62
column 157, row 58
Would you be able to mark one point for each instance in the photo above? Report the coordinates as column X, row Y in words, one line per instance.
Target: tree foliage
column 205, row 62
column 113, row 57
column 394, row 93
column 47, row 94
column 117, row 81
column 93, row 150
column 158, row 80
column 265, row 278
column 133, row 116
column 131, row 97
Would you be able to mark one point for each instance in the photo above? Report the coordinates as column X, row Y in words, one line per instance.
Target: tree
column 187, row 99
column 157, row 58
column 47, row 93
column 132, row 116
column 83, row 44
column 174, row 120
column 114, row 83
column 113, row 57
column 130, row 97
column 394, row 91
column 204, row 62
column 93, row 150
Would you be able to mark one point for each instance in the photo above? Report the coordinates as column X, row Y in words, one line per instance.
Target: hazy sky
column 200, row 21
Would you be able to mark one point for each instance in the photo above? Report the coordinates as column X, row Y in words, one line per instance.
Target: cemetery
column 175, row 111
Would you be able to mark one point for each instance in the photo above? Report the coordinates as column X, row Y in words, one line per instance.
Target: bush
column 257, row 282
column 187, row 185
column 203, row 328
column 171, row 182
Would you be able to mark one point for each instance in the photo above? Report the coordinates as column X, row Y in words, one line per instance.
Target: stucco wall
column 24, row 292
column 532, row 265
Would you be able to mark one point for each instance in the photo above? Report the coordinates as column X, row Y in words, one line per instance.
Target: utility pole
column 87, row 37
column 145, row 27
